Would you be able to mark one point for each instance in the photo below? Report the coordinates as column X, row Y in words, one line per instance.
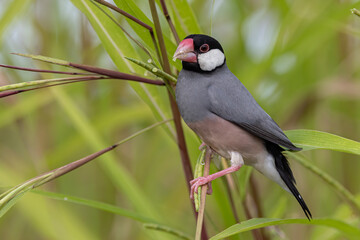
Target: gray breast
column 192, row 95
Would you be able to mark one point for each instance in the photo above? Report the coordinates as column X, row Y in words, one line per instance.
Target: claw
column 198, row 182
column 202, row 146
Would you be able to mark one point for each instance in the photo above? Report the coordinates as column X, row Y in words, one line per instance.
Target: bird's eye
column 204, row 48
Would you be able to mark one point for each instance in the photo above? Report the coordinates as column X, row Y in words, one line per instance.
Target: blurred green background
column 299, row 59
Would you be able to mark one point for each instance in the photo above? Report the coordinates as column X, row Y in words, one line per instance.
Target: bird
column 221, row 111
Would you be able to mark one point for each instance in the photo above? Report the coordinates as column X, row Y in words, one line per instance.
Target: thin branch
column 171, row 25
column 230, row 188
column 14, row 92
column 53, row 174
column 125, row 14
column 175, row 111
column 123, row 29
column 200, row 218
column 42, row 70
column 165, row 61
column 92, row 69
column 157, row 72
column 154, row 70
column 22, row 85
column 115, row 74
column 260, row 233
column 132, row 18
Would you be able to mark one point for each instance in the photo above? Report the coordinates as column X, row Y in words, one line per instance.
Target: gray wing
column 230, row 100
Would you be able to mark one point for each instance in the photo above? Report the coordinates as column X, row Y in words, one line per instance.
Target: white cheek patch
column 211, row 60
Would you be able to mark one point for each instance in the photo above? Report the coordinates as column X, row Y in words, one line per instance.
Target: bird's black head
column 200, row 53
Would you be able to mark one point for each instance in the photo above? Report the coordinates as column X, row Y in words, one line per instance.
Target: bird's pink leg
column 197, row 182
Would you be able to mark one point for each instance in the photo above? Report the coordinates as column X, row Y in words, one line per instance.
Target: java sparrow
column 222, row 112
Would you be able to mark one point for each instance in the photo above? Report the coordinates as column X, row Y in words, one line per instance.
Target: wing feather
column 233, row 102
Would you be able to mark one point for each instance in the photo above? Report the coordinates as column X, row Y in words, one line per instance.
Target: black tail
column 282, row 166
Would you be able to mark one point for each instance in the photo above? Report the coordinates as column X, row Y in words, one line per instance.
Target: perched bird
column 218, row 108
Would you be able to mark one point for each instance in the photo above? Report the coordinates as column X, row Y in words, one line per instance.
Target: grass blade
column 312, row 139
column 348, row 230
column 148, row 222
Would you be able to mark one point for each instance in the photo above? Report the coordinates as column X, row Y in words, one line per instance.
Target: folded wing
column 234, row 103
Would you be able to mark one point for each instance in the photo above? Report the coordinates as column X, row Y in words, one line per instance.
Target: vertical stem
column 255, row 233
column 230, row 187
column 175, row 111
column 155, row 44
column 200, row 218
column 159, row 35
column 260, row 233
column 167, row 16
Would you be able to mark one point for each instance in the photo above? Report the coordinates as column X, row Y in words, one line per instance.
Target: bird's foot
column 202, row 147
column 198, row 182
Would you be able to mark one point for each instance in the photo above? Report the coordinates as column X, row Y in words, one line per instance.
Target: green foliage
column 304, row 73
column 310, row 140
column 349, row 231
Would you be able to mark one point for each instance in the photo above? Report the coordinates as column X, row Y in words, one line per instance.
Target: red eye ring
column 204, row 48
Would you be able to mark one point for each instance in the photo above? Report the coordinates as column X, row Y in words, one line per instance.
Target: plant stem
column 125, row 14
column 115, row 74
column 167, row 16
column 154, row 70
column 123, row 29
column 259, row 233
column 200, row 217
column 55, row 173
column 14, row 92
column 230, row 187
column 174, row 109
column 47, row 81
column 165, row 62
column 129, row 16
column 43, row 70
column 92, row 69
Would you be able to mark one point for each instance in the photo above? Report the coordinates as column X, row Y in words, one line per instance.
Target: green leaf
column 184, row 17
column 148, row 222
column 11, row 203
column 36, row 83
column 118, row 46
column 256, row 223
column 97, row 205
column 131, row 8
column 312, row 139
column 45, row 59
column 165, row 229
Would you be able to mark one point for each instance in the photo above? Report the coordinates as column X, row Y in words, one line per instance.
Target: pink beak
column 185, row 51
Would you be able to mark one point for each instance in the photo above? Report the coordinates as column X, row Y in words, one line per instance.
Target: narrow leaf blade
column 311, row 139
column 256, row 223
